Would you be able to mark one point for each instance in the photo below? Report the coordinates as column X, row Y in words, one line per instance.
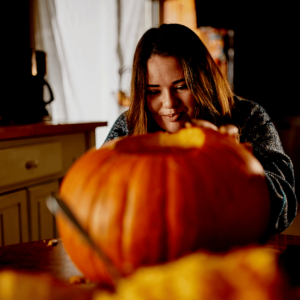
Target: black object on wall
column 22, row 69
column 265, row 64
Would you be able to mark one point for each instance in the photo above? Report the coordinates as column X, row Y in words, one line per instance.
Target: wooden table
column 42, row 257
column 52, row 260
column 39, row 256
column 42, row 271
column 281, row 242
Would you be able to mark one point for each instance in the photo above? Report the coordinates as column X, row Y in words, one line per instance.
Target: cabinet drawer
column 29, row 162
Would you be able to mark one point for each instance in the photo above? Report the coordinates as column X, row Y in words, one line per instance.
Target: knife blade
column 56, row 204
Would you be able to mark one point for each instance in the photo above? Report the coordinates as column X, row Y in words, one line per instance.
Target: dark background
column 266, row 48
column 15, row 62
column 14, row 36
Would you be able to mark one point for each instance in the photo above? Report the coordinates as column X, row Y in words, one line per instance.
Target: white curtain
column 87, row 42
column 131, row 27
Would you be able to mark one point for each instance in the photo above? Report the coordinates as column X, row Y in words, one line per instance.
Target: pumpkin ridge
column 125, row 267
column 102, row 180
column 173, row 163
column 117, row 163
column 222, row 168
column 165, row 226
column 78, row 184
column 127, row 264
column 200, row 166
column 98, row 175
column 210, row 191
column 82, row 163
column 73, row 202
column 76, row 176
column 133, row 219
column 126, row 162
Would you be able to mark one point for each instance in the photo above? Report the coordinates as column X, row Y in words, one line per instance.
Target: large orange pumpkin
column 153, row 198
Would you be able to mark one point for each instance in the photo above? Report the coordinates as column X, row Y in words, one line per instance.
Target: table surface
column 280, row 242
column 40, row 256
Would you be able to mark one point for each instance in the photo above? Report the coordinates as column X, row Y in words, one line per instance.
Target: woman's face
column 169, row 100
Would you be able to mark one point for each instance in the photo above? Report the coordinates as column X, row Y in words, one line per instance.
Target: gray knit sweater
column 257, row 129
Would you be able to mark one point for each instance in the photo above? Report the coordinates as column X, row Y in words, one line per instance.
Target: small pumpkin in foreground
column 153, row 198
column 28, row 285
column 245, row 273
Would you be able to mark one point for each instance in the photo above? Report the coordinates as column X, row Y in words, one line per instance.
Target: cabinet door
column 43, row 224
column 13, row 218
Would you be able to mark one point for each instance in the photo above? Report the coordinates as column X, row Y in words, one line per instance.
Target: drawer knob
column 31, row 164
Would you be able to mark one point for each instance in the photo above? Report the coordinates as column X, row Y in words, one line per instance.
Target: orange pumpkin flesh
column 153, row 198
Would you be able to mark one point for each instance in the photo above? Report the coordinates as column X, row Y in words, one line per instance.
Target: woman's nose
column 170, row 100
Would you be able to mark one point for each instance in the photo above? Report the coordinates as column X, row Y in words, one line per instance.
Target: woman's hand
column 230, row 130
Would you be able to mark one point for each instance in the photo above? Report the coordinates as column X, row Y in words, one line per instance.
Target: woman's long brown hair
column 210, row 89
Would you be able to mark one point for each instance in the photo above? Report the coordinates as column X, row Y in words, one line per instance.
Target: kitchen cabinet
column 42, row 221
column 33, row 161
column 13, row 218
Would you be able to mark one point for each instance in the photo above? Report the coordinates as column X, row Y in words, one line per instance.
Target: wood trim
column 45, row 128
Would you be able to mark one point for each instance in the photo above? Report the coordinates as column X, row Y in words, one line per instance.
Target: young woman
column 175, row 82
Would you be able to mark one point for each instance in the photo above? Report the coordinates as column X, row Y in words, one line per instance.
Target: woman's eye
column 150, row 92
column 182, row 87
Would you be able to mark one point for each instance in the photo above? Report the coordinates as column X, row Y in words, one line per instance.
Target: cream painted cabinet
column 32, row 166
column 36, row 166
column 13, row 218
column 43, row 224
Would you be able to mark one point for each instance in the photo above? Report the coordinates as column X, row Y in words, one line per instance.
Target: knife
column 56, row 204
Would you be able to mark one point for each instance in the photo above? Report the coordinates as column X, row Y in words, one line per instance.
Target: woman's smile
column 173, row 117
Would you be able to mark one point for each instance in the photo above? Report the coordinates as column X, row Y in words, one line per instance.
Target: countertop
column 46, row 128
column 40, row 256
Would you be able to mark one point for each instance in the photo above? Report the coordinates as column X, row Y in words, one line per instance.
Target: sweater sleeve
column 258, row 130
column 118, row 129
